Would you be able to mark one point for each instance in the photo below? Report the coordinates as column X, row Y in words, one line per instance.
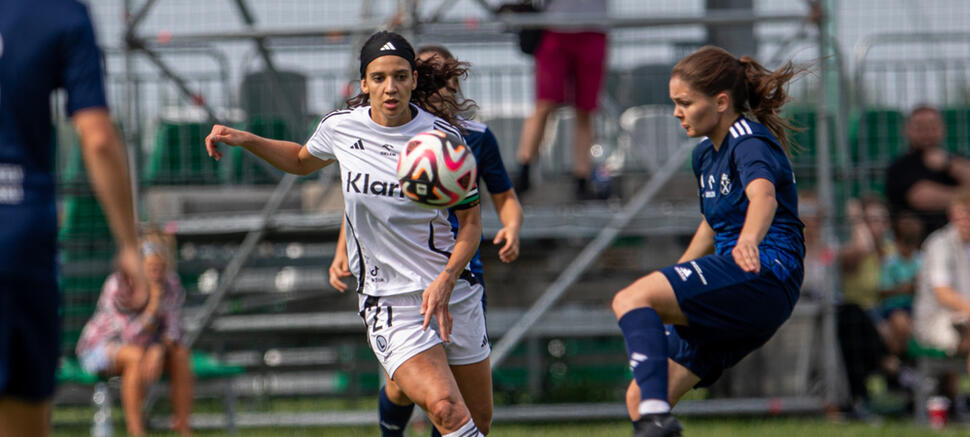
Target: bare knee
column 630, row 298
column 545, row 107
column 129, row 358
column 448, row 414
column 395, row 394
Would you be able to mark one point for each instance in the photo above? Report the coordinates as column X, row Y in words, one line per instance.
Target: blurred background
column 275, row 346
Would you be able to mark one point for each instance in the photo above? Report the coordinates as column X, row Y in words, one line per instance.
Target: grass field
column 725, row 427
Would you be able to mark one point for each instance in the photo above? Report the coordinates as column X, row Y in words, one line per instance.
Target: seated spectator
column 898, row 283
column 861, row 259
column 942, row 306
column 925, row 179
column 863, row 350
column 137, row 343
column 818, row 255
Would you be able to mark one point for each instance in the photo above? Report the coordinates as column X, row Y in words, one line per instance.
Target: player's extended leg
column 642, row 309
column 427, row 380
column 679, row 381
column 20, row 418
column 475, row 383
column 394, row 410
column 182, row 382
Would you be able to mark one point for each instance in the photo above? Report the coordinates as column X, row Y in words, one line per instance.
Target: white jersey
column 394, row 245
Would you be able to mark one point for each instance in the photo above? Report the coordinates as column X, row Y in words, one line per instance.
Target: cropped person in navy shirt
column 47, row 45
column 720, row 306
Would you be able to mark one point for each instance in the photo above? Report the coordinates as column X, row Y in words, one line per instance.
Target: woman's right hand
column 225, row 135
column 339, row 269
column 130, row 264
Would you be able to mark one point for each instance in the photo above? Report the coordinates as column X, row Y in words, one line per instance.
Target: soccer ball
column 436, row 170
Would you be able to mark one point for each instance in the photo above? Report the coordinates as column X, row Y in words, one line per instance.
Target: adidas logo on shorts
column 683, row 272
column 388, row 46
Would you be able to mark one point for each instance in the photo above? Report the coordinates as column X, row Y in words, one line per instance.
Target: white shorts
column 394, row 327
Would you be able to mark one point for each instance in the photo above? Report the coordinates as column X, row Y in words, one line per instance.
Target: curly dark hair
column 432, row 77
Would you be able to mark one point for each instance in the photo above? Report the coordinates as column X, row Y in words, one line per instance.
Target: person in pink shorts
column 569, row 66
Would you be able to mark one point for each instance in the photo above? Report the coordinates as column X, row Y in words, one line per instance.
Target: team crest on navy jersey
column 725, row 184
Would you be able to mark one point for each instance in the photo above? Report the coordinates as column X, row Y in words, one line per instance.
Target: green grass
column 721, row 427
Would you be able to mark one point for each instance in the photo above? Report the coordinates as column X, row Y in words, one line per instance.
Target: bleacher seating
column 178, row 156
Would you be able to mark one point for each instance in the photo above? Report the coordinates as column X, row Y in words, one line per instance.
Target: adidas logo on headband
column 385, row 44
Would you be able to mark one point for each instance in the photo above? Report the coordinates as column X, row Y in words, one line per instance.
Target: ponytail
column 754, row 89
column 766, row 95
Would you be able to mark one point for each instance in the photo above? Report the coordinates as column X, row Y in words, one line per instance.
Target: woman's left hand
column 434, row 302
column 745, row 253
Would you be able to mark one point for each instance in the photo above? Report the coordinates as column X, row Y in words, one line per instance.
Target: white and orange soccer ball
column 437, row 170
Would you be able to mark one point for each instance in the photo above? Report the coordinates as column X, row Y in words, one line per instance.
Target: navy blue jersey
column 491, row 170
column 44, row 45
column 750, row 152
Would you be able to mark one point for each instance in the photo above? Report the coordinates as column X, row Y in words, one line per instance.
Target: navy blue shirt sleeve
column 82, row 66
column 491, row 169
column 755, row 158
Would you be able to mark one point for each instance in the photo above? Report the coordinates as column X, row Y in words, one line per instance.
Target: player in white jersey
column 411, row 271
column 394, row 406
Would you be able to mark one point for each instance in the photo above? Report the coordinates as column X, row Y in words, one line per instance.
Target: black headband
column 385, row 43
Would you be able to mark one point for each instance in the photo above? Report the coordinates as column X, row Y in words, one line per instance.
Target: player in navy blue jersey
column 395, row 408
column 718, row 307
column 46, row 45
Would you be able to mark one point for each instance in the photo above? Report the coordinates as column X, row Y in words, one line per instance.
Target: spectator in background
column 942, row 305
column 138, row 342
column 863, row 350
column 861, row 259
column 925, row 179
column 898, row 283
column 569, row 66
column 817, row 256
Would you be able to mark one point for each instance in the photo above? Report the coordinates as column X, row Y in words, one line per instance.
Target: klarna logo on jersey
column 361, row 183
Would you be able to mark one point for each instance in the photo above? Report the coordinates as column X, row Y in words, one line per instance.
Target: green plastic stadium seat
column 70, row 371
column 957, row 122
column 878, row 137
column 83, row 218
column 204, row 366
column 916, row 350
column 178, row 156
column 242, row 167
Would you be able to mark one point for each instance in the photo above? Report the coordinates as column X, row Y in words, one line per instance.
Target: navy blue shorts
column 30, row 336
column 730, row 313
column 30, row 323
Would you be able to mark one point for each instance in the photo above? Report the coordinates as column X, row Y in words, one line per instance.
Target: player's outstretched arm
column 107, row 168
column 701, row 244
column 340, row 267
column 761, row 210
column 435, row 298
column 284, row 155
column 509, row 212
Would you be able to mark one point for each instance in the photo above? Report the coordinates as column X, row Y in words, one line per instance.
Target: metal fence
column 270, row 309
